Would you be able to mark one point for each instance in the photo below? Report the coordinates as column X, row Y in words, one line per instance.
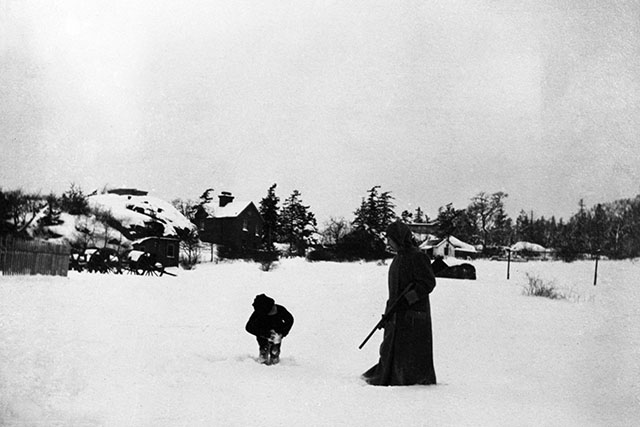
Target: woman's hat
column 263, row 304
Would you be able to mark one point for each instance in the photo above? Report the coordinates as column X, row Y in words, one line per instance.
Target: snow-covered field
column 107, row 350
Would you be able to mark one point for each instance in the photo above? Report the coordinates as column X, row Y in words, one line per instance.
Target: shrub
column 74, row 201
column 267, row 259
column 188, row 262
column 321, row 254
column 360, row 244
column 539, row 288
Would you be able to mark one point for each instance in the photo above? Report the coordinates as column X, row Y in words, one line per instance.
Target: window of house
column 171, row 250
column 245, row 225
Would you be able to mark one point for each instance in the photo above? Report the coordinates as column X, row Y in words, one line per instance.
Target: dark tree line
column 609, row 229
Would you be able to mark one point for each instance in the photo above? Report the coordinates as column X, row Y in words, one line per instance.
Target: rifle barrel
column 386, row 315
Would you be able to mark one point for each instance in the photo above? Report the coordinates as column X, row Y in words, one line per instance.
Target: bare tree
column 485, row 209
column 21, row 209
column 187, row 208
column 106, row 221
column 334, row 230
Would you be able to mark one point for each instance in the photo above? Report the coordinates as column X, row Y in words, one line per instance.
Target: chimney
column 225, row 198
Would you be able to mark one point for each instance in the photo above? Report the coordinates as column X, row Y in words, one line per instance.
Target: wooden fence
column 20, row 257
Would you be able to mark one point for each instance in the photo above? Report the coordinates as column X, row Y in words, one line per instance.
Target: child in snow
column 269, row 322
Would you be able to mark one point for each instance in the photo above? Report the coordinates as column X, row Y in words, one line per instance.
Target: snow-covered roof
column 137, row 210
column 459, row 244
column 430, row 241
column 527, row 246
column 433, row 241
column 230, row 210
column 144, row 239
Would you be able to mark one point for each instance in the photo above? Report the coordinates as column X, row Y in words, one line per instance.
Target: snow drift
column 120, row 350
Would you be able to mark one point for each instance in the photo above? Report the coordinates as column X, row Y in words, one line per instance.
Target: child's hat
column 263, row 304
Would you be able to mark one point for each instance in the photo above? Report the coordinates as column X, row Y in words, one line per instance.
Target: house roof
column 430, row 241
column 459, row 244
column 230, row 210
column 433, row 241
column 144, row 239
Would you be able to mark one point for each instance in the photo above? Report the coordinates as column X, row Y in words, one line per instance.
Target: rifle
column 387, row 315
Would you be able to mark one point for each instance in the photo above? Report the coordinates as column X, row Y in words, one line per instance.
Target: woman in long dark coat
column 406, row 353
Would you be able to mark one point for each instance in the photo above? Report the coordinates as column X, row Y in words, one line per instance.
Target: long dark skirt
column 406, row 353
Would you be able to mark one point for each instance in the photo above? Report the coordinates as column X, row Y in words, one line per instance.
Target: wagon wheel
column 150, row 271
column 113, row 268
column 140, row 270
column 159, row 269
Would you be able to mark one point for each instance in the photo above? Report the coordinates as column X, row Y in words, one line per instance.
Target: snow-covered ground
column 107, row 350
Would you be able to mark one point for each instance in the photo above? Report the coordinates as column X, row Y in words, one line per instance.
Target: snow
column 124, row 350
column 433, row 241
column 230, row 210
column 461, row 245
column 128, row 210
column 527, row 246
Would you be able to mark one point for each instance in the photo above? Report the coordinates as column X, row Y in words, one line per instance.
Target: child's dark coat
column 261, row 324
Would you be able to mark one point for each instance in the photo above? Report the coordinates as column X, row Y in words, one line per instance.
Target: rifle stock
column 385, row 316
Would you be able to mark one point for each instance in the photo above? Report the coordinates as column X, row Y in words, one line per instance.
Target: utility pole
column 509, row 256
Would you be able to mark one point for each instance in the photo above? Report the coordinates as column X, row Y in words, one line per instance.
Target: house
column 234, row 224
column 450, row 246
column 165, row 249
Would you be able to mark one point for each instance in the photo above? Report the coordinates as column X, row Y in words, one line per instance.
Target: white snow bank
column 136, row 210
column 122, row 350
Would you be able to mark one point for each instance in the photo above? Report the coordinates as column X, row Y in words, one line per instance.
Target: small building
column 165, row 249
column 450, row 246
column 237, row 225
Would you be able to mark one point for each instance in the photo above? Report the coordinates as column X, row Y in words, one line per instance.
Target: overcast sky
column 433, row 100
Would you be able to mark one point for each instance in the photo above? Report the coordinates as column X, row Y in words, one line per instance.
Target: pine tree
column 375, row 213
column 502, row 228
column 74, row 201
column 298, row 224
column 270, row 213
column 386, row 210
column 206, row 196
